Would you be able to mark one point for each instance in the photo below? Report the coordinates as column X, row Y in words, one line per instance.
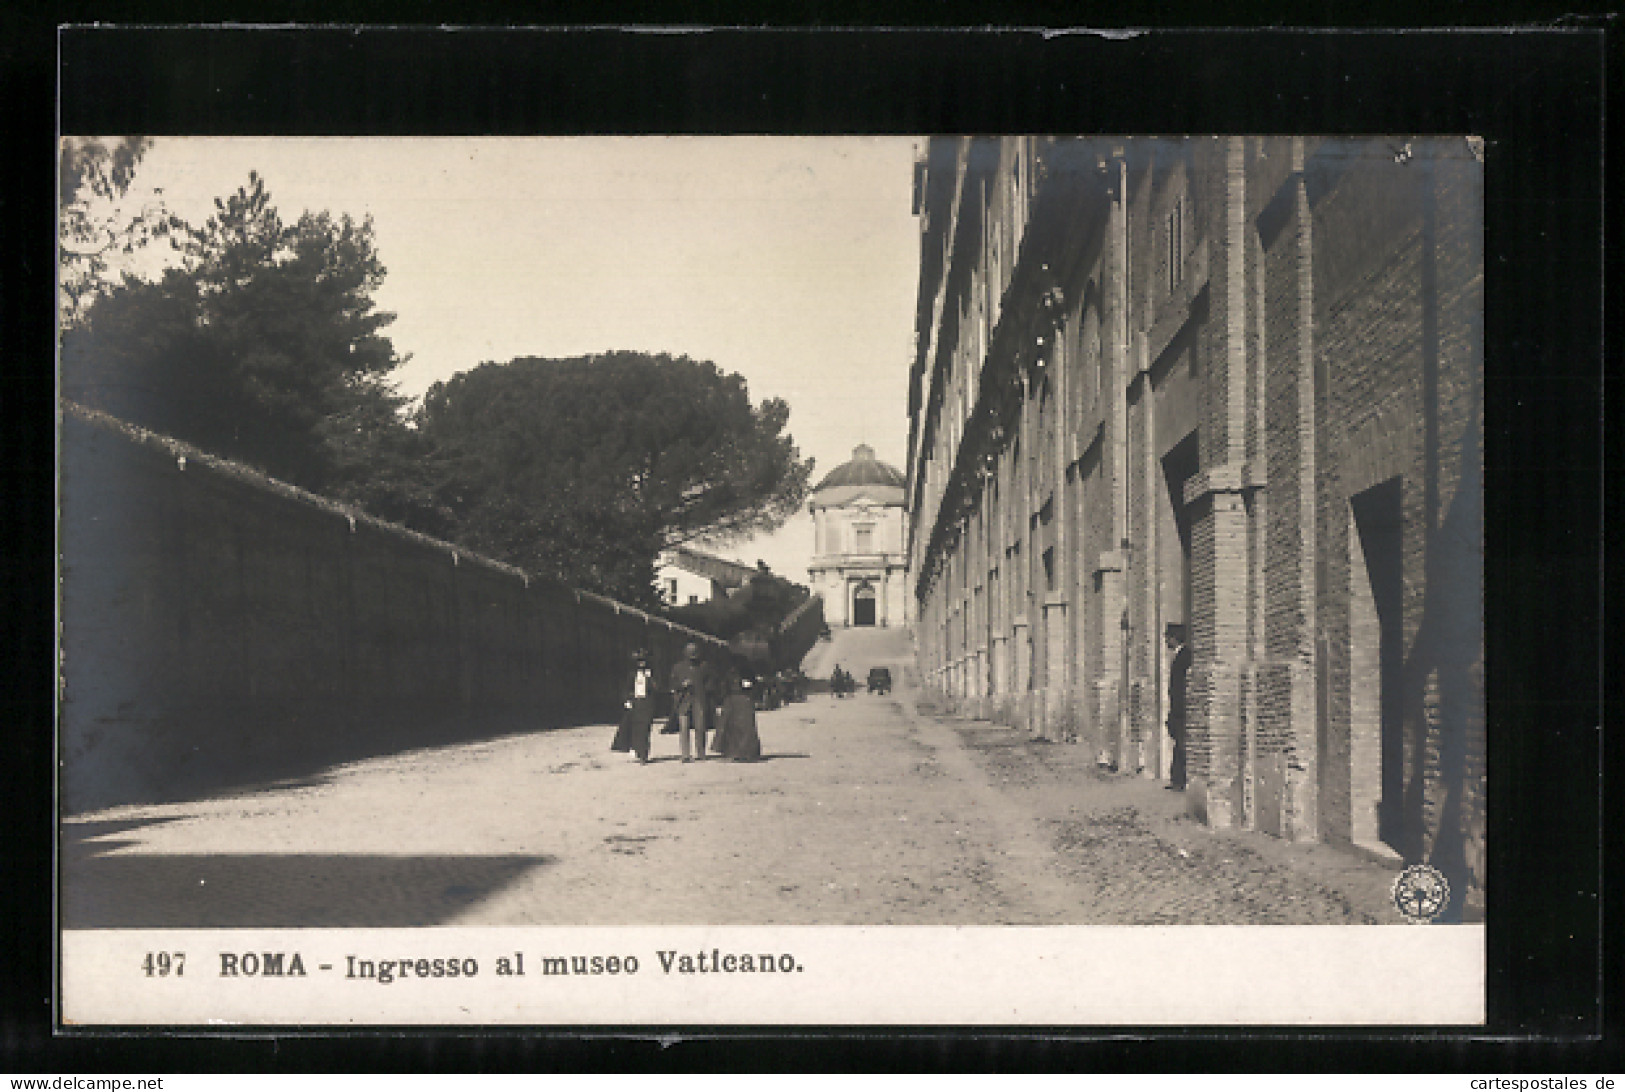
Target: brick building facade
column 1227, row 388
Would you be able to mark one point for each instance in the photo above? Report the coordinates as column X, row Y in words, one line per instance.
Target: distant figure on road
column 794, row 685
column 767, row 692
column 736, row 727
column 691, row 698
column 638, row 711
column 1178, row 676
column 837, row 682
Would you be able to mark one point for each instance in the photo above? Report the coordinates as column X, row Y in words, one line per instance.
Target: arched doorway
column 863, row 604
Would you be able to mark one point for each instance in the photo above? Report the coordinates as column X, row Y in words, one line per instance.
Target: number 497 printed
column 162, row 964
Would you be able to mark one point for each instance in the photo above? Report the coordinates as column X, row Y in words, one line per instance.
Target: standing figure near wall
column 638, row 710
column 691, row 699
column 736, row 724
column 1178, row 674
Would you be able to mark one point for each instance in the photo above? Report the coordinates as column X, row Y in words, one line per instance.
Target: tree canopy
column 586, row 468
column 264, row 347
column 93, row 178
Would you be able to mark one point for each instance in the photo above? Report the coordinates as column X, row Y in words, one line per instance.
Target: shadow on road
column 269, row 750
column 660, row 759
column 224, row 891
column 76, row 833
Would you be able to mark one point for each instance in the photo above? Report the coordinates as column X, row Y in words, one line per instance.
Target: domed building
column 859, row 543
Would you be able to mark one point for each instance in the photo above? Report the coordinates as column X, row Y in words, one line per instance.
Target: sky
column 793, row 261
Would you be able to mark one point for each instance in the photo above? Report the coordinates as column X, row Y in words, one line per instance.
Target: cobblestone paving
column 863, row 813
column 1138, row 859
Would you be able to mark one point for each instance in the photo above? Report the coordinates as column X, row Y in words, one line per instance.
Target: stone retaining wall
column 220, row 628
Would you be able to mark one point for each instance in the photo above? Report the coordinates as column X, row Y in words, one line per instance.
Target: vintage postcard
column 1025, row 580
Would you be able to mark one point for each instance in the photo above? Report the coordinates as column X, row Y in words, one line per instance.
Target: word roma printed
column 261, row 965
column 285, row 965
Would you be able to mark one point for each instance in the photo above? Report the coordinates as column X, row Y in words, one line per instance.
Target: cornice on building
column 1073, row 192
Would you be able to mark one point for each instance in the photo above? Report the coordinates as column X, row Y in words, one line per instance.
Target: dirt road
column 862, row 812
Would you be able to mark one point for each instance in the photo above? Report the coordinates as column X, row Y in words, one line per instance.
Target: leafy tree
column 265, row 347
column 93, row 178
column 587, row 468
column 754, row 610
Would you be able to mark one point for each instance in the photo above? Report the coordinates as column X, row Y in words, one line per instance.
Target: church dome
column 862, row 469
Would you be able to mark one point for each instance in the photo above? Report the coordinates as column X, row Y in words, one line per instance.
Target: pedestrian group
column 700, row 697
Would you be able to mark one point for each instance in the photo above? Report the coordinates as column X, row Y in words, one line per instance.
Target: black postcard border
column 1534, row 92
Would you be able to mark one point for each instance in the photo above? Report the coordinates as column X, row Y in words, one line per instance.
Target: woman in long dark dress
column 736, row 735
column 638, row 710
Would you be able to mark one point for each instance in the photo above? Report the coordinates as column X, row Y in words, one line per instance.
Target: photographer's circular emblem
column 1421, row 893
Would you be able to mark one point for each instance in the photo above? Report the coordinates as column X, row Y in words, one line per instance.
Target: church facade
column 859, row 560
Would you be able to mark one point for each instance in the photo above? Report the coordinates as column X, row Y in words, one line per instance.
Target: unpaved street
column 863, row 812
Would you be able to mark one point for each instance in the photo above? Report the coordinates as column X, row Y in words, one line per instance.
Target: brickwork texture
column 1270, row 355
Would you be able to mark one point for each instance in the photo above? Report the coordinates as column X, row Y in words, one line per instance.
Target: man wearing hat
column 1179, row 670
column 691, row 698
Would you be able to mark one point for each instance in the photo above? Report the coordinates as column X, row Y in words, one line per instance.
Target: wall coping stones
column 188, row 457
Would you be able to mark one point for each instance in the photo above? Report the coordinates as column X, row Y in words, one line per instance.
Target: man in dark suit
column 691, row 699
column 1178, row 676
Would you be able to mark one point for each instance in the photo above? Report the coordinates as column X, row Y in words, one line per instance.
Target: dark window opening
column 1379, row 523
column 1178, row 466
